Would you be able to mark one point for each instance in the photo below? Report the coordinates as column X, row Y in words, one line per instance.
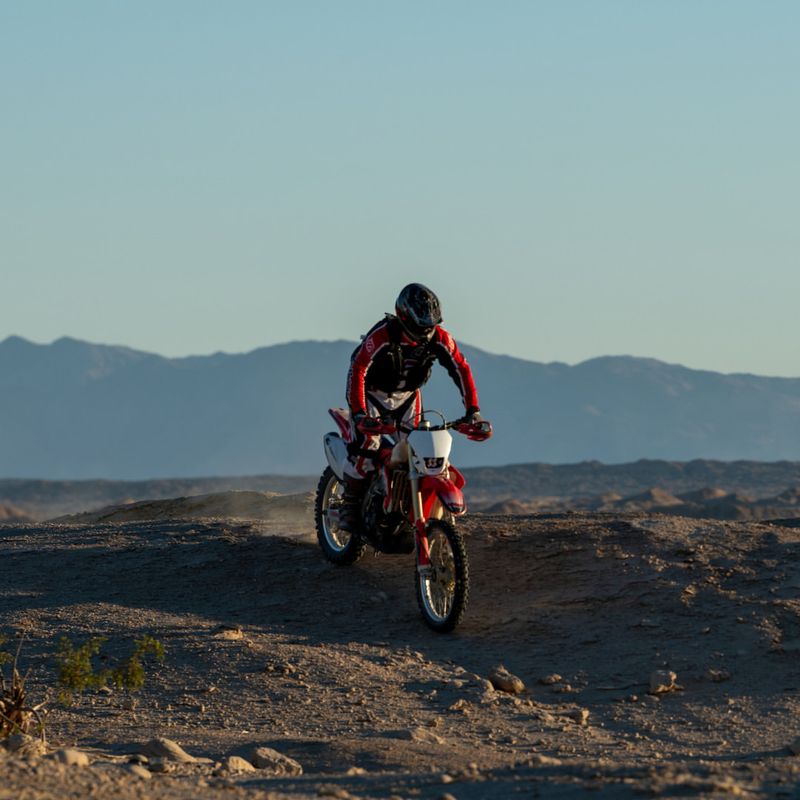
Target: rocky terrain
column 706, row 503
column 591, row 479
column 658, row 656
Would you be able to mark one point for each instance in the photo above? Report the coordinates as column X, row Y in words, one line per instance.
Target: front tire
column 442, row 594
column 339, row 547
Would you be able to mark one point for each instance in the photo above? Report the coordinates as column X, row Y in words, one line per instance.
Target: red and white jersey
column 389, row 361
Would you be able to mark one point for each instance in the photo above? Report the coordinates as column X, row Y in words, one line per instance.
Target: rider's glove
column 474, row 426
column 473, row 415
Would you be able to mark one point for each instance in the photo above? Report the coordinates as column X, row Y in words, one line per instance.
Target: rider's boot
column 350, row 510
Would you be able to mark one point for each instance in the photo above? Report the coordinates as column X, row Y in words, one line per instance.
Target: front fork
column 420, row 523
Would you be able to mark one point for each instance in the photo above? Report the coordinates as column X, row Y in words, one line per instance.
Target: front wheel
column 442, row 591
column 339, row 546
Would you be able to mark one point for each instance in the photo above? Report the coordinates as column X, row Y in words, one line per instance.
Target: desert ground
column 659, row 656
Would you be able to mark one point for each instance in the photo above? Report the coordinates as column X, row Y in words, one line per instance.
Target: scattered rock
column 538, row 760
column 425, row 735
column 662, row 681
column 71, row 757
column 717, row 675
column 236, row 764
column 579, row 715
column 269, row 760
column 502, row 680
column 334, row 791
column 229, row 632
column 356, row 771
column 139, row 771
column 169, row 750
column 549, row 680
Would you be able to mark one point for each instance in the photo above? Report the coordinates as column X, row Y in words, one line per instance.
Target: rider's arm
column 373, row 343
column 454, row 362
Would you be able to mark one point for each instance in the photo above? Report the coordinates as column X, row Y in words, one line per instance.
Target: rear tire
column 442, row 595
column 339, row 547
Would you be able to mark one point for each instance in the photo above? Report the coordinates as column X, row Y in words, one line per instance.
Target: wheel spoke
column 439, row 587
column 335, row 535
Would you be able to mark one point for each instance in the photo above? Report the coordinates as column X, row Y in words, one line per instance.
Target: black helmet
column 418, row 310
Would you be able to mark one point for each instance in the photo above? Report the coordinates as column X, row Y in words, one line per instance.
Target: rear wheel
column 443, row 591
column 339, row 546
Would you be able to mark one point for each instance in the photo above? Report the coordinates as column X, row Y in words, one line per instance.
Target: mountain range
column 73, row 409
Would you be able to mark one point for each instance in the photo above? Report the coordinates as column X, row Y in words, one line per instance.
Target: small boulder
column 269, row 760
column 232, row 633
column 794, row 747
column 168, row 750
column 502, row 680
column 579, row 715
column 237, row 764
column 549, row 680
column 139, row 771
column 71, row 757
column 662, row 681
column 424, row 735
column 539, row 760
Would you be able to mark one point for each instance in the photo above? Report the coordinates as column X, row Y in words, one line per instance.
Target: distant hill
column 78, row 410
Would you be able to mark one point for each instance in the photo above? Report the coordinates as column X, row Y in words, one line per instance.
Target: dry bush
column 16, row 716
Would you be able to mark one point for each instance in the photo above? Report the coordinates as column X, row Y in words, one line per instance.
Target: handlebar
column 476, row 431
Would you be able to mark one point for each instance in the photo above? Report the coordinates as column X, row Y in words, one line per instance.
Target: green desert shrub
column 78, row 669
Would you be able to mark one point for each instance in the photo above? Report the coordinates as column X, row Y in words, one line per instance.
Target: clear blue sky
column 573, row 178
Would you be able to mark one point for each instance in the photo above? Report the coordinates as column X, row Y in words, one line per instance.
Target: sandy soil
column 268, row 644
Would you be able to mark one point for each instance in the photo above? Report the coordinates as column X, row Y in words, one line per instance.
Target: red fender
column 342, row 418
column 456, row 477
column 432, row 487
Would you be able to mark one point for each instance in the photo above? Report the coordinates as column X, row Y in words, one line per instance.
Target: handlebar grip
column 476, row 431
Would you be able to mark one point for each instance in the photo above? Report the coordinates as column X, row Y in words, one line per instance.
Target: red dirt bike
column 410, row 506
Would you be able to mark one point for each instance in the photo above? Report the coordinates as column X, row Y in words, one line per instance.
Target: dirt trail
column 268, row 644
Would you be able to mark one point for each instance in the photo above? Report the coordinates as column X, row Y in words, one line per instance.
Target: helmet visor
column 418, row 332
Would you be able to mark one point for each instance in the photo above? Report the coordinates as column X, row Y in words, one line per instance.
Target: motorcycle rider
column 386, row 372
